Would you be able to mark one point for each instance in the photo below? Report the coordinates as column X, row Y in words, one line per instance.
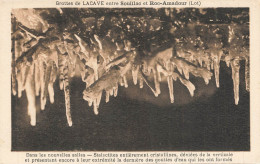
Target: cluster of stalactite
column 104, row 46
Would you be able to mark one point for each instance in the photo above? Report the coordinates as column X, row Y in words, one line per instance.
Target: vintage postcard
column 137, row 81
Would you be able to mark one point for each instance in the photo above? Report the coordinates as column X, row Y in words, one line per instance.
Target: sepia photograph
column 130, row 79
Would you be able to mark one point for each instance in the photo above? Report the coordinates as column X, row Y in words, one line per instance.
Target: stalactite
column 216, row 62
column 170, row 86
column 235, row 65
column 247, row 74
column 67, row 94
column 135, row 71
column 13, row 77
column 30, row 93
column 42, row 79
column 150, row 51
column 37, row 78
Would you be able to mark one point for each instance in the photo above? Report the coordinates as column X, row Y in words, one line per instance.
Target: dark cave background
column 137, row 121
